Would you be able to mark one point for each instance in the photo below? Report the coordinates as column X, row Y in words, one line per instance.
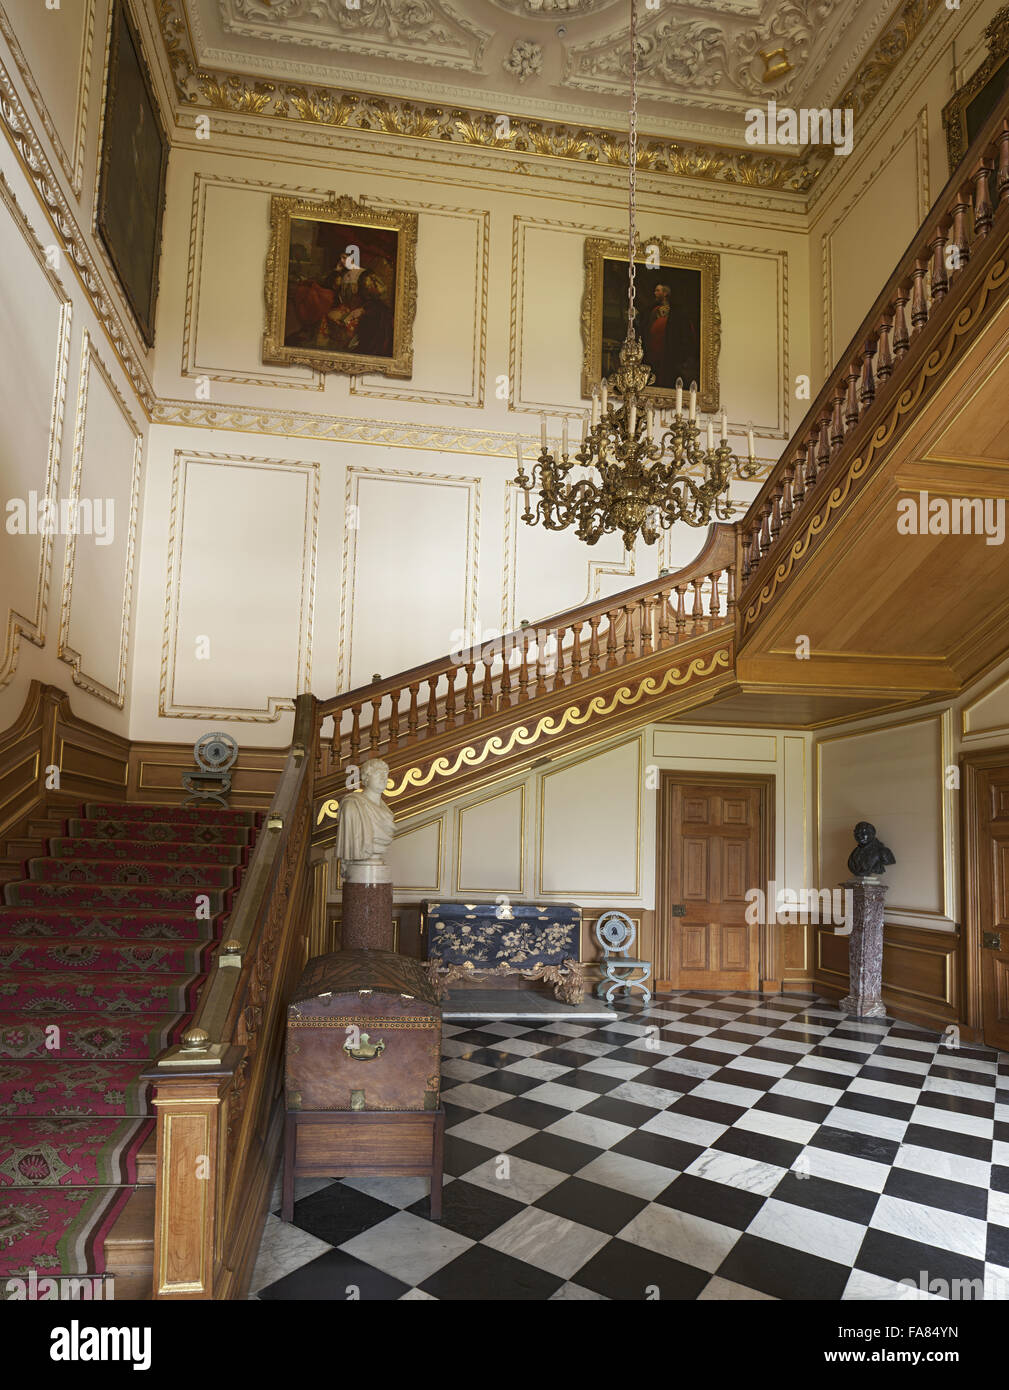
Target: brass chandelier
column 652, row 470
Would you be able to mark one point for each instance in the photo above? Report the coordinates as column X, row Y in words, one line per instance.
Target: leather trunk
column 363, row 1033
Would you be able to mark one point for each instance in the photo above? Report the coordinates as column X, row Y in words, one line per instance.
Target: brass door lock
column 991, row 941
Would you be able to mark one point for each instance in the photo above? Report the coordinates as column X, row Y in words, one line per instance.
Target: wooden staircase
column 494, row 709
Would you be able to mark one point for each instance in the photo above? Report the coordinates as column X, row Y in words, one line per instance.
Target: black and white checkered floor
column 708, row 1147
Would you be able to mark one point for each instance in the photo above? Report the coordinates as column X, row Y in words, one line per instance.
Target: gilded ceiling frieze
column 238, row 94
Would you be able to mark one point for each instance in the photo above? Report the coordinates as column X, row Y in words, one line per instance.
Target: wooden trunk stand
column 363, row 1143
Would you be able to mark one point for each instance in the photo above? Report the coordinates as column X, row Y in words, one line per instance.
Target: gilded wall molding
column 638, row 743
column 461, row 812
column 18, row 625
column 33, row 159
column 70, row 161
column 354, row 476
column 115, row 697
column 275, row 706
column 284, row 379
column 475, row 399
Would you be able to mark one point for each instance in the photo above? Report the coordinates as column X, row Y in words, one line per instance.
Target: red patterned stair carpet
column 104, row 945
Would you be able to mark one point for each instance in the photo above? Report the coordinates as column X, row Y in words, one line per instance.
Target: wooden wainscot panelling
column 796, row 940
column 156, row 771
column 921, row 972
column 92, row 761
column 21, row 782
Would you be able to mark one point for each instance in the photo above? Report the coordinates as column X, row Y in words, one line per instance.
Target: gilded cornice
column 238, row 94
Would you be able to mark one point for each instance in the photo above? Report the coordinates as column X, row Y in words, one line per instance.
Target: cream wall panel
column 415, row 858
column 224, row 299
column 868, row 239
column 548, row 277
column 893, row 776
column 97, row 594
column 683, row 744
column 450, row 333
column 388, row 625
column 751, row 294
column 796, row 821
column 227, row 514
column 591, row 825
column 986, row 714
column 35, row 322
column 52, row 47
column 490, row 840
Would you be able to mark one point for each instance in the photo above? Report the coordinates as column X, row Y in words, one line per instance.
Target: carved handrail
column 879, row 357
column 532, row 661
column 217, row 1098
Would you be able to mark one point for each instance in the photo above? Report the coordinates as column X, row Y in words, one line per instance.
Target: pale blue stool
column 615, row 933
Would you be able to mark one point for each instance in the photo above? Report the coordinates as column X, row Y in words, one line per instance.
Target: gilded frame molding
column 597, row 252
column 284, row 210
column 116, row 697
column 954, row 113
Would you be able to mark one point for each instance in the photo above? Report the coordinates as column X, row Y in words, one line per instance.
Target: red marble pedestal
column 367, row 917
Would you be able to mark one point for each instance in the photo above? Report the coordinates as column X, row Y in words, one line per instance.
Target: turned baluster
column 919, row 305
column 983, row 210
column 799, row 478
column 837, row 419
column 432, row 701
column 774, row 525
column 940, row 275
column 487, row 695
column 450, row 699
column 355, row 733
column 867, row 390
column 851, row 395
column 812, row 468
column 786, row 499
column 884, row 357
column 715, row 599
column 730, row 593
column 681, row 612
column 697, row 616
column 960, row 238
column 823, row 448
column 901, row 335
column 1002, row 179
column 506, row 679
column 559, row 659
column 412, row 714
column 752, row 552
column 394, row 721
column 611, row 640
column 663, row 619
column 375, row 728
column 765, row 529
column 744, row 553
column 524, row 670
column 646, row 606
column 469, row 695
column 576, row 652
column 631, row 638
column 594, row 646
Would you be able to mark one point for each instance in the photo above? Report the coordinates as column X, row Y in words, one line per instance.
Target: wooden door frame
column 972, row 768
column 769, row 939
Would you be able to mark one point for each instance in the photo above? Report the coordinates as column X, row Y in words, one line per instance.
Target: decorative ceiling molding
column 236, row 93
column 429, row 32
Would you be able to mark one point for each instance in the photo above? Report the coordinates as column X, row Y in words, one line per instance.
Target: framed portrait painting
column 341, row 287
column 676, row 316
column 134, row 162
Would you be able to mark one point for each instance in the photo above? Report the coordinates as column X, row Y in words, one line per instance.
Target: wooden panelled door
column 710, row 855
column 993, row 903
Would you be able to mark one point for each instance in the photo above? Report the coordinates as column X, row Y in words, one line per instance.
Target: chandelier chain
column 632, row 157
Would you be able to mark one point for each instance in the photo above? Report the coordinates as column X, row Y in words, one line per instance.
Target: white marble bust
column 364, row 828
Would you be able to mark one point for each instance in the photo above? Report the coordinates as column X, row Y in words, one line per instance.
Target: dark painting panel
column 667, row 320
column 341, row 287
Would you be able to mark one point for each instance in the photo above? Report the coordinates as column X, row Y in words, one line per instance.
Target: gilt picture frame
column 971, row 105
column 132, row 171
column 341, row 287
column 677, row 316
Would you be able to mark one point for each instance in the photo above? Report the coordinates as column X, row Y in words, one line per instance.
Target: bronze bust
column 870, row 856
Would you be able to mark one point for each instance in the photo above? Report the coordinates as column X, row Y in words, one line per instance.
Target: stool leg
column 437, row 1162
column 290, row 1140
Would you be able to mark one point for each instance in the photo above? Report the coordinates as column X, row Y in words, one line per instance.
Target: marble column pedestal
column 367, row 908
column 865, row 949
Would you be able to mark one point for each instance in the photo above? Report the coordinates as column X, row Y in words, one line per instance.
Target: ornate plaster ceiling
column 702, row 65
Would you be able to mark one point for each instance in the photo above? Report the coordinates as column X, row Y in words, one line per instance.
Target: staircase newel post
column 191, row 1103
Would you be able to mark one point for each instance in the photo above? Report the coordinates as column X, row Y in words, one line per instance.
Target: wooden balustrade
column 532, row 662
column 923, row 286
